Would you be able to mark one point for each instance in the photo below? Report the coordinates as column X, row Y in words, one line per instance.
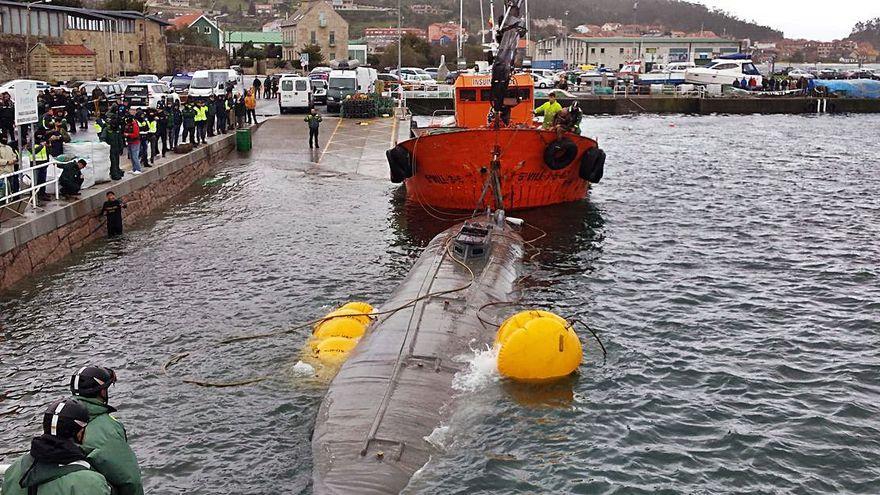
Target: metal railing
column 27, row 177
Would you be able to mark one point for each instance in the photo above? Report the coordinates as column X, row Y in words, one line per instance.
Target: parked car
column 146, row 78
column 9, row 87
column 800, row 74
column 320, row 73
column 180, row 82
column 416, row 78
column 149, row 95
column 166, row 79
column 541, row 81
column 113, row 91
column 432, row 72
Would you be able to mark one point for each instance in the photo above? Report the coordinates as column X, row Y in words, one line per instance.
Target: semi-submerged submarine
column 392, row 391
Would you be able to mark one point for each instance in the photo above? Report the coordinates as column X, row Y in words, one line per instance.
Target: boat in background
column 725, row 70
column 673, row 73
column 493, row 155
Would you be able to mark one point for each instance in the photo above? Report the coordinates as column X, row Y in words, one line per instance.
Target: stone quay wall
column 28, row 248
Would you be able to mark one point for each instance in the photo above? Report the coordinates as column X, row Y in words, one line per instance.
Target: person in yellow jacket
column 549, row 110
column 201, row 121
column 250, row 102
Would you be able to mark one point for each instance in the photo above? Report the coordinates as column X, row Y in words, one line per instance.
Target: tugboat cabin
column 473, row 100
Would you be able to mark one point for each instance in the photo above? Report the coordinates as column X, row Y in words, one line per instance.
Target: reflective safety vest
column 42, row 156
column 153, row 126
column 201, row 114
column 144, row 126
column 98, row 128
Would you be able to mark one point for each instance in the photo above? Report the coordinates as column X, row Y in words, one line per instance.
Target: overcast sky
column 812, row 19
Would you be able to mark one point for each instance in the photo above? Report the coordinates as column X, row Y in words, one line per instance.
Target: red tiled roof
column 184, row 21
column 74, row 50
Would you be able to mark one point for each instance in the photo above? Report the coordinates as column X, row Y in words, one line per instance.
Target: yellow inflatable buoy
column 342, row 314
column 335, row 349
column 341, row 327
column 360, row 307
column 520, row 319
column 543, row 348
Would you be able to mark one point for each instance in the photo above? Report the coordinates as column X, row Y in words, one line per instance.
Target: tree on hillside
column 187, row 36
column 867, row 31
column 133, row 5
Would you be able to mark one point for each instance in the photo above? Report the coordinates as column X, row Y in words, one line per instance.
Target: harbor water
column 729, row 265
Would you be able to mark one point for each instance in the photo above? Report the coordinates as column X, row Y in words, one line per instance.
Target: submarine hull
column 396, row 387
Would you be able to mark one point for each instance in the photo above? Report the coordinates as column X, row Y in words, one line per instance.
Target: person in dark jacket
column 221, row 112
column 56, row 464
column 175, row 121
column 112, row 135
column 314, row 120
column 211, row 114
column 267, row 88
column 106, row 441
column 112, row 209
column 240, row 111
column 188, row 117
column 162, row 129
column 71, row 180
column 7, row 117
column 257, row 86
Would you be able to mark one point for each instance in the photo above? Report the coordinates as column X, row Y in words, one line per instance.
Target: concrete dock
column 47, row 234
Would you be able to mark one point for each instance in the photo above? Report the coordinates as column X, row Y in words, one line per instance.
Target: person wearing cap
column 201, row 119
column 56, row 463
column 548, row 110
column 106, row 441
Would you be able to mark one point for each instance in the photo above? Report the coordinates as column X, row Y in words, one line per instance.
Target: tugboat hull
column 449, row 169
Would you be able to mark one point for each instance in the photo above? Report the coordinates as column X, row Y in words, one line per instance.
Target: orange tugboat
column 494, row 156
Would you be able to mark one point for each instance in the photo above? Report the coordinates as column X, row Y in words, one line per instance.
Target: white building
column 615, row 52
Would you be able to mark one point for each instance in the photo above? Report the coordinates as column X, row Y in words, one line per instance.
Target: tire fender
column 560, row 153
column 592, row 165
column 399, row 163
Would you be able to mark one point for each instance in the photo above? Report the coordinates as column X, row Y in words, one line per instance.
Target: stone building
column 315, row 23
column 62, row 62
column 124, row 42
column 445, row 33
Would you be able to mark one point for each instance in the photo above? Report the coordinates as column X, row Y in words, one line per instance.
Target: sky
column 823, row 20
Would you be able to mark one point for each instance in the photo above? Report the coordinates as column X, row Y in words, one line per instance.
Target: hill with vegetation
column 867, row 31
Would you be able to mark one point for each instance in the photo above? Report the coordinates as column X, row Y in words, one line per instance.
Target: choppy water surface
column 729, row 263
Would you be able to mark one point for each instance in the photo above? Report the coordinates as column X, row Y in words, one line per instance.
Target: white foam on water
column 438, row 437
column 303, row 369
column 482, row 371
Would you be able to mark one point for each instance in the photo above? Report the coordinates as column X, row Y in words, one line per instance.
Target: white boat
column 671, row 74
column 725, row 70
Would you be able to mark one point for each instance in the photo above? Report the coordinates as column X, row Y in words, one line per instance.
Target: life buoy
column 560, row 153
column 592, row 165
column 400, row 164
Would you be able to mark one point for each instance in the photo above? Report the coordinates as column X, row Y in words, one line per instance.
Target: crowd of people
column 83, row 450
column 267, row 87
column 141, row 134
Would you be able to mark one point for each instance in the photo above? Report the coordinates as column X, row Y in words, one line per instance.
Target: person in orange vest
column 250, row 102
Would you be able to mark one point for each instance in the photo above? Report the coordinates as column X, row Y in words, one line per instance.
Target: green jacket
column 113, row 137
column 313, row 120
column 106, row 444
column 548, row 110
column 75, row 478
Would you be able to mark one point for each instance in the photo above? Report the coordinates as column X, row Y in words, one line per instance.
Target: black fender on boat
column 560, row 153
column 592, row 165
column 400, row 163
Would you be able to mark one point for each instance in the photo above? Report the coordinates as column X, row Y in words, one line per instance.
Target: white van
column 294, row 92
column 212, row 82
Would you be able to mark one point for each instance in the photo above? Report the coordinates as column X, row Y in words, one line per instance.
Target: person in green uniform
column 314, row 120
column 106, row 441
column 71, row 180
column 548, row 110
column 188, row 118
column 112, row 135
column 56, row 464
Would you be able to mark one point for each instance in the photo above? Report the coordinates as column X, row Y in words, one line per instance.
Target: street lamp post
column 27, row 42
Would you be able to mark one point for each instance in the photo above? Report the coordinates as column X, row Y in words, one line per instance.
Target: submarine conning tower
column 396, row 387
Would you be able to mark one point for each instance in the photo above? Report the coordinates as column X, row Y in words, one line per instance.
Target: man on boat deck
column 106, row 442
column 549, row 110
column 56, row 464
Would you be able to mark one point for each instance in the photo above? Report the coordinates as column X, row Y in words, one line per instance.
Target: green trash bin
column 243, row 140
